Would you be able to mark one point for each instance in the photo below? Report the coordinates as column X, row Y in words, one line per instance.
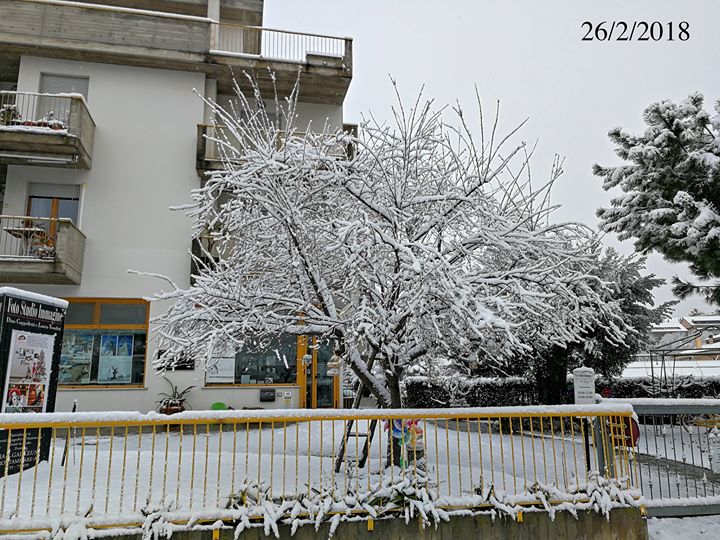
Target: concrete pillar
column 211, row 94
column 213, row 13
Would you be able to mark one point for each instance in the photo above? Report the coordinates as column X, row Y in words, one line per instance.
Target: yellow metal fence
column 114, row 469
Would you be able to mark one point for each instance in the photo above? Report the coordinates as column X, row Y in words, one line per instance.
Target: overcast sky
column 529, row 55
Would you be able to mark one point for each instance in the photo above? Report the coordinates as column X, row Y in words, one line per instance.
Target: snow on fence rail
column 123, row 469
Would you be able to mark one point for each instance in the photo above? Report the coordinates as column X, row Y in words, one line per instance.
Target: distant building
column 683, row 346
column 100, row 133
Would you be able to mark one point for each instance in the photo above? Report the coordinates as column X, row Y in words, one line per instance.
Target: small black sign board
column 31, row 330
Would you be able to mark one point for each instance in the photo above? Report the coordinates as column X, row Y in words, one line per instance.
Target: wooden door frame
column 302, row 348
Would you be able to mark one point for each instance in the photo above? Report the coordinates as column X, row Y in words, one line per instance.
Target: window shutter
column 64, row 84
column 62, row 191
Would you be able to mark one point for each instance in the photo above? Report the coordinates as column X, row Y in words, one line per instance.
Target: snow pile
column 689, row 528
column 408, row 499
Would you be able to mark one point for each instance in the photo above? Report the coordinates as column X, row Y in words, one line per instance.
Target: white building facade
column 101, row 131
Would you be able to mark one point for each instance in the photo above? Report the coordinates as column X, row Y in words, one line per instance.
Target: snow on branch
column 407, row 242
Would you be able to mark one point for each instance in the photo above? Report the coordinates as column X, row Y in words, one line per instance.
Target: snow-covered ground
column 690, row 528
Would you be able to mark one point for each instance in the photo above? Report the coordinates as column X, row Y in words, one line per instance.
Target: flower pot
column 172, row 409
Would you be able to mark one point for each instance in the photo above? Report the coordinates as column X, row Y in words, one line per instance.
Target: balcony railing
column 208, row 153
column 47, row 129
column 283, row 45
column 40, row 250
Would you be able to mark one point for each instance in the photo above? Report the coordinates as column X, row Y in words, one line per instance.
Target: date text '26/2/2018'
column 635, row 31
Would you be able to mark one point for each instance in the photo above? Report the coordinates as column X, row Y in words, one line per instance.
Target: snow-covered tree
column 626, row 294
column 671, row 188
column 614, row 307
column 412, row 242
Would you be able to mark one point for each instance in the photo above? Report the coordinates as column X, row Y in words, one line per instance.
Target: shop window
column 260, row 362
column 105, row 342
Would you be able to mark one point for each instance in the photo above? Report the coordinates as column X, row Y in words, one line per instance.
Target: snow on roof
column 671, row 325
column 34, row 297
column 704, row 320
column 684, row 324
column 696, row 368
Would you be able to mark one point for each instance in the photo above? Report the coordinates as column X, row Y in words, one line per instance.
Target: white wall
column 143, row 163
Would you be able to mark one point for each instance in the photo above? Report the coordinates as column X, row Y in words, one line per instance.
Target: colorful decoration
column 408, row 432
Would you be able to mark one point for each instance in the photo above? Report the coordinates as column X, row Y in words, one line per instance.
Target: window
column 105, row 342
column 63, row 84
column 54, row 201
column 258, row 362
column 50, row 201
column 59, row 84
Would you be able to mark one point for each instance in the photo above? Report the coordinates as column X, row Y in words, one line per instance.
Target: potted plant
column 9, row 115
column 174, row 401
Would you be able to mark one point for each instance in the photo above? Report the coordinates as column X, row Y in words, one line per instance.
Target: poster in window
column 76, row 358
column 29, row 374
column 125, row 345
column 114, row 367
column 221, row 370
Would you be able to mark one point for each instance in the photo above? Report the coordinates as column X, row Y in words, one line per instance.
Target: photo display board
column 31, row 330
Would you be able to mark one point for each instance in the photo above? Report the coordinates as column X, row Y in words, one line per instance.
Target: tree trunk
column 394, row 448
column 551, row 377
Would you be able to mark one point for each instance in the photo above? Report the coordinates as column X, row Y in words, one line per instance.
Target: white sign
column 221, row 370
column 584, row 386
column 28, row 374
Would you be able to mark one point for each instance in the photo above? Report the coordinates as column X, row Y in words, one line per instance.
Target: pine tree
column 671, row 189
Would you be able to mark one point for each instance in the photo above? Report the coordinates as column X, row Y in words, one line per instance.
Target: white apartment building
column 101, row 131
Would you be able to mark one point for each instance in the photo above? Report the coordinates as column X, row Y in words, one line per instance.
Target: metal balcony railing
column 35, row 110
column 28, row 237
column 24, row 113
column 273, row 44
column 208, row 155
column 40, row 250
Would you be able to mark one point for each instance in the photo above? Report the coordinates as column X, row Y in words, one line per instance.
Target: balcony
column 112, row 34
column 53, row 130
column 207, row 157
column 40, row 250
column 208, row 154
column 327, row 60
column 97, row 32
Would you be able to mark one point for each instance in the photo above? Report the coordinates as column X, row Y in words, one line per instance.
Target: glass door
column 320, row 388
column 44, row 231
column 324, row 383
